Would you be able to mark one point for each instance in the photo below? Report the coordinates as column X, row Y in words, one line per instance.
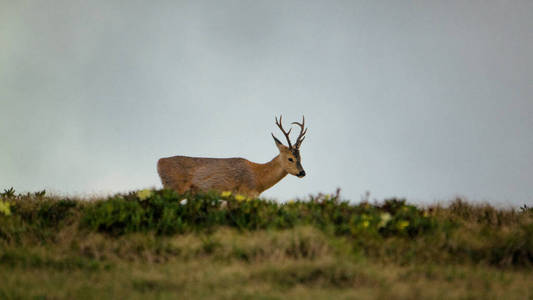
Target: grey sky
column 419, row 99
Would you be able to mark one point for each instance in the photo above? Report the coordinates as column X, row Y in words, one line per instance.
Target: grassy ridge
column 159, row 243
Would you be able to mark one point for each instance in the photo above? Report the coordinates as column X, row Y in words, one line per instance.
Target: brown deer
column 239, row 175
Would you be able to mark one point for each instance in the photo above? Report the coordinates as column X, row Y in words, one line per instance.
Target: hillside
column 159, row 244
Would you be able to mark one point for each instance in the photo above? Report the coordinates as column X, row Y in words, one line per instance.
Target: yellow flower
column 365, row 224
column 144, row 194
column 4, row 208
column 239, row 197
column 225, row 194
column 291, row 201
column 402, row 224
column 385, row 218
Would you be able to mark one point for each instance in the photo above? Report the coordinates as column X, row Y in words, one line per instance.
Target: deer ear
column 278, row 143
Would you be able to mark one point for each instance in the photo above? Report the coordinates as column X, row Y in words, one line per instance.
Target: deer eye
column 290, row 159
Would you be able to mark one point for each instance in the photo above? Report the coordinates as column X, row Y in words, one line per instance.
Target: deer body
column 239, row 175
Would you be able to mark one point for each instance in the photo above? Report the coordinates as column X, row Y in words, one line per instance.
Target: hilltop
column 158, row 244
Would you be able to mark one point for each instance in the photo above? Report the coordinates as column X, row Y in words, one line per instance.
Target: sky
column 427, row 100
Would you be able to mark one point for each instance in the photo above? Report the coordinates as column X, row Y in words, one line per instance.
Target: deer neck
column 270, row 173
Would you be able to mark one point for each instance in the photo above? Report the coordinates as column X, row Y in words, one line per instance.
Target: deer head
column 290, row 156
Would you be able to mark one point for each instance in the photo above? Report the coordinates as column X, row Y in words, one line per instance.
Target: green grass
column 155, row 244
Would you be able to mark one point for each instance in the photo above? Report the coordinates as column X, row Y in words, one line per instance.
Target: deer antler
column 286, row 133
column 303, row 131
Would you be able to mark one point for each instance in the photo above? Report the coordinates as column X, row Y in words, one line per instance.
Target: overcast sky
column 420, row 99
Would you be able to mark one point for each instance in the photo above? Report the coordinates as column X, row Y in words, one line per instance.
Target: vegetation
column 159, row 244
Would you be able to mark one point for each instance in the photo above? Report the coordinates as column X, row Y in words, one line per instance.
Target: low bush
column 391, row 231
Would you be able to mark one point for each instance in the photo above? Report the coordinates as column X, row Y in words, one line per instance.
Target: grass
column 162, row 245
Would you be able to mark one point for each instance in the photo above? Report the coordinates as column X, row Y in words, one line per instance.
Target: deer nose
column 301, row 174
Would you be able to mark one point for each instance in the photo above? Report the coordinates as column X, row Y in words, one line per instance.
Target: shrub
column 389, row 231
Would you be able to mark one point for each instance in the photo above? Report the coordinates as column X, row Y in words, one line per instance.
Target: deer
column 237, row 175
